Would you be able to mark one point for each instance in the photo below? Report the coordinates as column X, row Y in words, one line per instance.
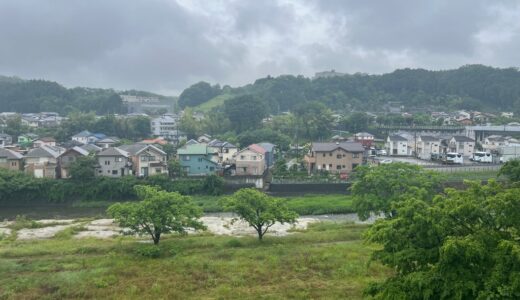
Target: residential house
column 147, row 160
column 67, row 158
column 270, row 150
column 5, row 140
column 494, row 142
column 507, row 115
column 334, row 157
column 107, row 142
column 396, row 145
column 462, row 144
column 366, row 139
column 191, row 142
column 30, row 121
column 196, row 160
column 224, row 151
column 42, row 162
column 156, row 141
column 87, row 137
column 250, row 161
column 114, row 162
column 25, row 140
column 47, row 141
column 11, row 160
column 428, row 145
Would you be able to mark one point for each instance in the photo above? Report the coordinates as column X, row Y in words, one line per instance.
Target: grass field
column 327, row 261
column 474, row 175
column 214, row 102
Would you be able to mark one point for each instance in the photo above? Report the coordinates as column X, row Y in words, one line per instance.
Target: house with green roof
column 196, row 160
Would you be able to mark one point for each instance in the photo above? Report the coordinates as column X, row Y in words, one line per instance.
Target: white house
column 428, row 145
column 462, row 144
column 396, row 145
column 165, row 126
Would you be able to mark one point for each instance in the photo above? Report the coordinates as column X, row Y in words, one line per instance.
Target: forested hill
column 474, row 87
column 25, row 96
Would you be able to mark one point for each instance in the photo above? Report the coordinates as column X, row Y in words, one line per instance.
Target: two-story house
column 196, row 160
column 250, row 161
column 107, row 142
column 67, row 158
column 427, row 146
column 396, row 145
column 462, row 144
column 224, row 151
column 334, row 157
column 114, row 162
column 146, row 159
column 43, row 161
column 11, row 160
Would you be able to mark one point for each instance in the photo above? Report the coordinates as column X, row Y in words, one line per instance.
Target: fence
column 461, row 169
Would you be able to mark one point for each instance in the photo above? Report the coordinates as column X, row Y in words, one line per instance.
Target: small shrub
column 234, row 243
column 149, row 251
column 24, row 222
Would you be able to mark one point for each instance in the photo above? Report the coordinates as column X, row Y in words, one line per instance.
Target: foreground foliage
column 158, row 213
column 462, row 245
column 376, row 189
column 328, row 261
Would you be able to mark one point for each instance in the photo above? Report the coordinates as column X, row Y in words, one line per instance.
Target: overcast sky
column 166, row 45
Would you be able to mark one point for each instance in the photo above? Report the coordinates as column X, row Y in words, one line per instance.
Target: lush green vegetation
column 468, row 87
column 328, row 261
column 473, row 175
column 17, row 187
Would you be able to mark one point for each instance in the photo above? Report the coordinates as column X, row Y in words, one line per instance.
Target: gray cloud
column 165, row 45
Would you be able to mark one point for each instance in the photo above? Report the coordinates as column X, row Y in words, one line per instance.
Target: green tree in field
column 214, row 185
column 175, row 168
column 259, row 210
column 158, row 213
column 462, row 245
column 83, row 168
column 377, row 188
column 511, row 169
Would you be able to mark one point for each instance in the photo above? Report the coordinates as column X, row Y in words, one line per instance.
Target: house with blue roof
column 196, row 160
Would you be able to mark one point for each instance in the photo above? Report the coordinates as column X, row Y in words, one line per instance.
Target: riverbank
column 325, row 261
column 303, row 205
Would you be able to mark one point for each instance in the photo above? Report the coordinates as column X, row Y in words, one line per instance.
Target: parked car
column 381, row 152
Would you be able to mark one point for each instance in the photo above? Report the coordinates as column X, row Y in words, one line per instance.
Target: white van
column 482, row 157
column 454, row 158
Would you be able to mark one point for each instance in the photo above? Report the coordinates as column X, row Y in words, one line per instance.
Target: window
column 200, row 159
column 107, row 163
column 119, row 159
column 185, row 157
column 114, row 172
column 355, row 155
column 324, row 154
column 242, row 157
column 338, row 156
column 338, row 167
column 13, row 164
column 330, row 166
column 253, row 157
column 158, row 170
column 212, row 168
column 323, row 166
column 354, row 166
column 330, row 154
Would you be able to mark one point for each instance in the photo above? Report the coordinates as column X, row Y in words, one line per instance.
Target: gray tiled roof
column 347, row 146
column 10, row 154
column 45, row 151
column 397, row 138
column 429, row 138
column 113, row 151
column 462, row 138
